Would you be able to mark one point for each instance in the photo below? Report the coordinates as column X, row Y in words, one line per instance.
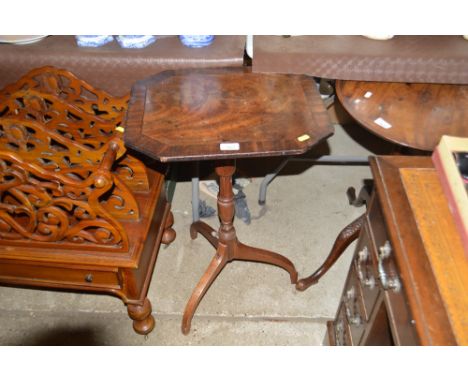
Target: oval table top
column 413, row 115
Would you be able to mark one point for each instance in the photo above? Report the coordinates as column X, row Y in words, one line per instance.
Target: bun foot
column 143, row 321
column 169, row 234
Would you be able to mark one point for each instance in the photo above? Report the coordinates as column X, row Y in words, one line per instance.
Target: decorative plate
column 21, row 39
column 196, row 41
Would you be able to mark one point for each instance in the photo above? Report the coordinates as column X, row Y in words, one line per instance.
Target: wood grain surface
column 442, row 244
column 224, row 113
column 410, row 249
column 413, row 115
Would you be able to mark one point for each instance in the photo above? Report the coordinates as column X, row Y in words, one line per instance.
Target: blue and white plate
column 135, row 41
column 93, row 41
column 196, row 41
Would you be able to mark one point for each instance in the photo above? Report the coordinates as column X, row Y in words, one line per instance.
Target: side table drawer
column 26, row 274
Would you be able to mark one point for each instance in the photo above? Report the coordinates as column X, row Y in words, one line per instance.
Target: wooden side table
column 221, row 115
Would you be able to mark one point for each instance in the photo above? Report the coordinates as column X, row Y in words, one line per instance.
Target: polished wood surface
column 76, row 212
column 224, row 113
column 444, row 248
column 344, row 239
column 412, row 115
column 433, row 323
column 410, row 264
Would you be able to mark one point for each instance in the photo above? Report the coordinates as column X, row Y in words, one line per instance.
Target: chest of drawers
column 407, row 281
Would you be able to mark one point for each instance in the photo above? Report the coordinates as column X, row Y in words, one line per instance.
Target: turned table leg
column 344, row 239
column 224, row 242
column 143, row 321
column 216, row 265
column 227, row 246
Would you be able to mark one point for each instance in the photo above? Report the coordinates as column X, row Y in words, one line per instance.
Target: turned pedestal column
column 227, row 246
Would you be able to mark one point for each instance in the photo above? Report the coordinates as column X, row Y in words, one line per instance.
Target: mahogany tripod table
column 224, row 114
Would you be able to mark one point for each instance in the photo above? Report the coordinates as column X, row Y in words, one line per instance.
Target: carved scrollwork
column 40, row 205
column 33, row 141
column 133, row 173
column 73, row 90
column 65, row 176
column 119, row 204
column 38, row 97
column 59, row 117
column 51, row 151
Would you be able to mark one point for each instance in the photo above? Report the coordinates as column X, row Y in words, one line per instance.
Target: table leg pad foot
column 215, row 267
column 206, row 231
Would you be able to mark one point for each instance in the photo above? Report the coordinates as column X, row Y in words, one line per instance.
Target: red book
column 446, row 159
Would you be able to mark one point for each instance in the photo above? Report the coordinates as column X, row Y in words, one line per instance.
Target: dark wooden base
column 227, row 246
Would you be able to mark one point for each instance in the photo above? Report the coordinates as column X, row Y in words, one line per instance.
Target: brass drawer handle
column 339, row 333
column 362, row 258
column 388, row 282
column 349, row 301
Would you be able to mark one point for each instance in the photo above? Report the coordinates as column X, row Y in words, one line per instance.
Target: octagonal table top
column 200, row 114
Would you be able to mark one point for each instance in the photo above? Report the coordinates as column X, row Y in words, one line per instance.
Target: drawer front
column 58, row 277
column 364, row 268
column 342, row 331
column 387, row 274
column 353, row 304
column 401, row 322
column 376, row 222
